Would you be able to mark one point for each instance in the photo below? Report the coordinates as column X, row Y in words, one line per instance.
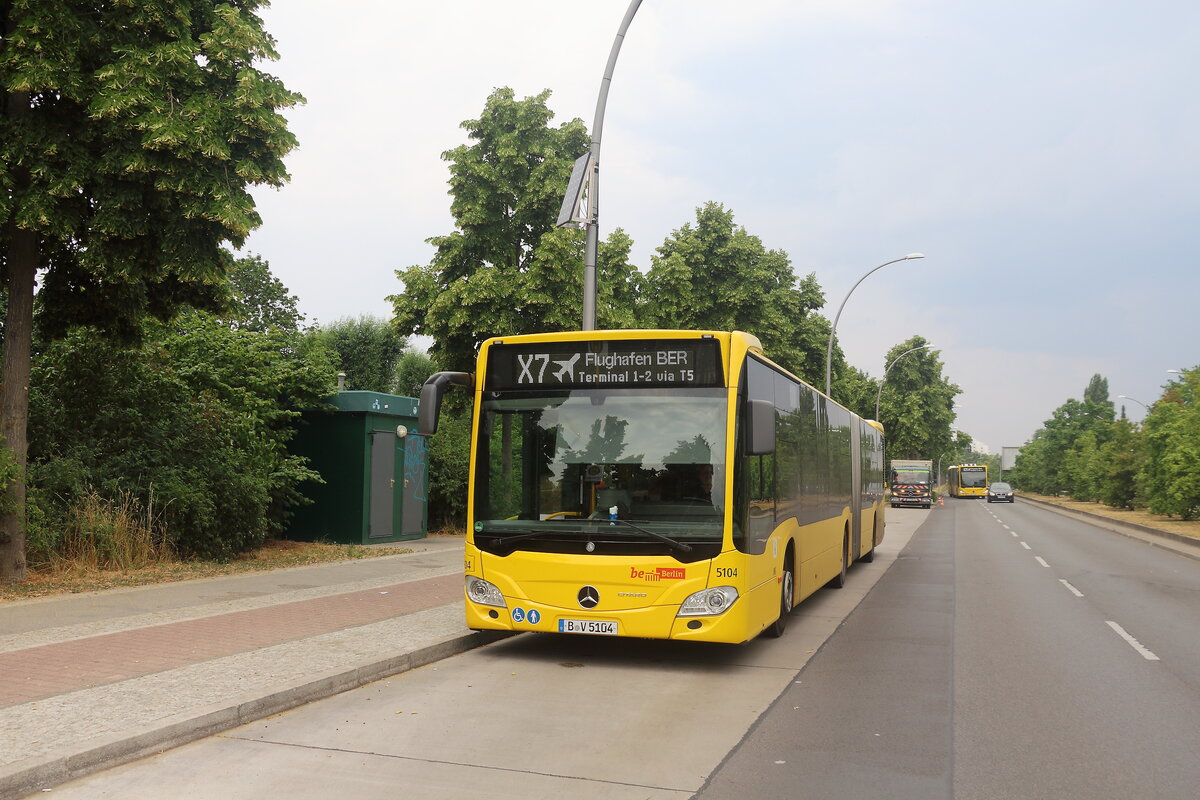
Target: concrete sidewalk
column 91, row 681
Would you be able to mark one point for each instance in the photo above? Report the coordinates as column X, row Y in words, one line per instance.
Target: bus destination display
column 612, row 364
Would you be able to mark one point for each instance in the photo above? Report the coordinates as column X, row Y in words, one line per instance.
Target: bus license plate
column 593, row 626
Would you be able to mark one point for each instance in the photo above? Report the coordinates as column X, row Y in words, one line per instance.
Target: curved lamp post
column 1134, row 399
column 837, row 316
column 883, row 380
column 593, row 225
column 939, row 464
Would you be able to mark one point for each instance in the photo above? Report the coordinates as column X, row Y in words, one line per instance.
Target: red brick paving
column 51, row 669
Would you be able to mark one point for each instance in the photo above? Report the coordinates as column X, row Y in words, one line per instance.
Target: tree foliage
column 1087, row 453
column 505, row 268
column 1171, row 471
column 260, row 302
column 412, row 370
column 133, row 131
column 129, row 136
column 196, row 419
column 714, row 275
column 1058, row 459
column 856, row 390
column 367, row 349
column 916, row 402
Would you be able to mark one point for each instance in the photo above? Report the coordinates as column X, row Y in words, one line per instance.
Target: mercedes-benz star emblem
column 590, row 547
column 589, row 597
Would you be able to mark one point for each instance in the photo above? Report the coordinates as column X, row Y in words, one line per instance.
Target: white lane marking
column 1026, row 546
column 1070, row 588
column 1014, row 533
column 1041, row 561
column 1134, row 643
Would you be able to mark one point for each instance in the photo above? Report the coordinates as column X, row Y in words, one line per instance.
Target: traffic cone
column 941, row 502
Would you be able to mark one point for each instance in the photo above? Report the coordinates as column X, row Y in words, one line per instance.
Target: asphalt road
column 1009, row 653
column 1005, row 652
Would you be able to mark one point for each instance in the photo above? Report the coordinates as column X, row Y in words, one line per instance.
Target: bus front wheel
column 787, row 591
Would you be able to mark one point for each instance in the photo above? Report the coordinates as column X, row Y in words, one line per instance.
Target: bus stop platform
column 93, row 680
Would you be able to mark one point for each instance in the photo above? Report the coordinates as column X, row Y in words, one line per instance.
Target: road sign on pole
column 578, row 206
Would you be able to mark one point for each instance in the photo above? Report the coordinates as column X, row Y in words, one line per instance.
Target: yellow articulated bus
column 657, row 484
column 967, row 480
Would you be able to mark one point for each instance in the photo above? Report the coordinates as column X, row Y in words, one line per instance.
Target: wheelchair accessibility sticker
column 532, row 615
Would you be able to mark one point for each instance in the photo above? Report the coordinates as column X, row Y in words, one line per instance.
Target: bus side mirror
column 432, row 391
column 760, row 438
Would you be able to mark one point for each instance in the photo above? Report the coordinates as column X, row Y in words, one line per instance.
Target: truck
column 911, row 482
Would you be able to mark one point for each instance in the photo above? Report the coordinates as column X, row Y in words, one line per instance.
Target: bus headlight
column 484, row 593
column 709, row 603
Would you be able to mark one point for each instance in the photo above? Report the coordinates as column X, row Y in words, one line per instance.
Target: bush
column 449, row 465
column 194, row 423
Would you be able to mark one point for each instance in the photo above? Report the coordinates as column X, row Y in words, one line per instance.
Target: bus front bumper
column 652, row 622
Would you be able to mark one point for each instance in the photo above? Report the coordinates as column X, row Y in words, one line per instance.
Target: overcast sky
column 1044, row 156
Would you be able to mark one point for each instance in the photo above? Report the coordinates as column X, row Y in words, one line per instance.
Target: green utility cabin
column 374, row 471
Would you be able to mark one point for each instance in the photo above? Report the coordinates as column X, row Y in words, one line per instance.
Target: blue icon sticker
column 534, row 616
column 518, row 615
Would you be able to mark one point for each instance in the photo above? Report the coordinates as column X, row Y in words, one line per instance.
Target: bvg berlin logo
column 530, row 362
column 658, row 574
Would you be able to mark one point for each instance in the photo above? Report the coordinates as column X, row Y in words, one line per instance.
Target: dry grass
column 1139, row 517
column 101, row 535
column 71, row 576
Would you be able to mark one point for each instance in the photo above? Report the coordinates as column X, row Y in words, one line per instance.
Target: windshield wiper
column 523, row 533
column 682, row 547
column 585, row 525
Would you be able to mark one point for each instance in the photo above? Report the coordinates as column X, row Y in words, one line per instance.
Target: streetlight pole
column 593, row 224
column 838, row 315
column 883, row 380
column 1134, row 399
column 938, row 477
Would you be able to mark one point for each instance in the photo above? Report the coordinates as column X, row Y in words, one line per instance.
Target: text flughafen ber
column 659, row 358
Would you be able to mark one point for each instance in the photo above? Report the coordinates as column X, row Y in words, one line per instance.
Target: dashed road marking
column 1134, row 643
column 1070, row 588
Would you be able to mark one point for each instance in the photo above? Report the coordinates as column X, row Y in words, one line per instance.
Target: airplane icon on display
column 567, row 367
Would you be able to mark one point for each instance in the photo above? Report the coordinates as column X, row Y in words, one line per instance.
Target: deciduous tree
column 714, row 275
column 1045, row 464
column 916, row 404
column 1171, row 473
column 504, row 269
column 367, row 349
column 129, row 134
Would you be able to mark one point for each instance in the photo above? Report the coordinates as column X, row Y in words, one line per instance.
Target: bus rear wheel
column 787, row 591
column 869, row 556
column 839, row 580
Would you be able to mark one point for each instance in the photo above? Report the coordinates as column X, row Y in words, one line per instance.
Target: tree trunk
column 22, row 259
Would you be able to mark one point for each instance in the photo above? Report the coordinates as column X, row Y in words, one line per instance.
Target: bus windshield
column 555, row 463
column 974, row 477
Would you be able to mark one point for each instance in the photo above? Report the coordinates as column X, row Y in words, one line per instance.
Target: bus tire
column 869, row 556
column 839, row 580
column 787, row 593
